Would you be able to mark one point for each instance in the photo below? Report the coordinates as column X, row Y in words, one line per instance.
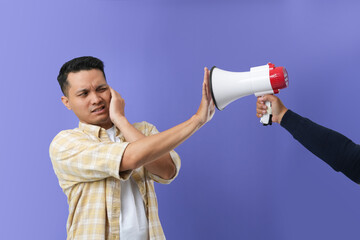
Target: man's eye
column 82, row 94
column 102, row 89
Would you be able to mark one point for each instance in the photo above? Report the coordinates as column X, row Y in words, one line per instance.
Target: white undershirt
column 133, row 222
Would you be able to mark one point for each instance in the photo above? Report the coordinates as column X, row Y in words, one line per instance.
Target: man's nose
column 95, row 98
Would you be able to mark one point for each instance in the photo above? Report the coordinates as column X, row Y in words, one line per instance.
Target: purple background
column 239, row 180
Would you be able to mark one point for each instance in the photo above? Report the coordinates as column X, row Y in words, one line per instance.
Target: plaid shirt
column 87, row 165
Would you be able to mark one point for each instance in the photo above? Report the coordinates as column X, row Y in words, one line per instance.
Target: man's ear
column 65, row 101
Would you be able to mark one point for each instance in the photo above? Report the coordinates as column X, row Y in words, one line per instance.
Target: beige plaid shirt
column 87, row 165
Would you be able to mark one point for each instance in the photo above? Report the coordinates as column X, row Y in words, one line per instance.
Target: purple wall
column 239, row 180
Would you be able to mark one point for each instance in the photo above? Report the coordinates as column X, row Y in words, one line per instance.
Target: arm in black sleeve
column 338, row 151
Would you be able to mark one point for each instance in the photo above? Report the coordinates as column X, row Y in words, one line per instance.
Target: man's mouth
column 98, row 109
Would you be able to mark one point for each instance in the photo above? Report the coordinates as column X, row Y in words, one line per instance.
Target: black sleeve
column 338, row 151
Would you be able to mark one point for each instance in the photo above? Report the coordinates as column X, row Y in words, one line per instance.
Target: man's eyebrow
column 82, row 90
column 102, row 85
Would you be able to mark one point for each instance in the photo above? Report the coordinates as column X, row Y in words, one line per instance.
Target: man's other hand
column 207, row 107
column 117, row 106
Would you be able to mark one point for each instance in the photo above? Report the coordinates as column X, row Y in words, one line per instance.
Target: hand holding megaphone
column 277, row 107
column 227, row 87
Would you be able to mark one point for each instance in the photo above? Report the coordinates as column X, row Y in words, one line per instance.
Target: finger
column 204, row 89
column 261, row 111
column 260, row 99
column 271, row 98
column 111, row 93
column 205, row 74
column 115, row 93
column 207, row 79
column 261, row 105
column 205, row 84
column 212, row 105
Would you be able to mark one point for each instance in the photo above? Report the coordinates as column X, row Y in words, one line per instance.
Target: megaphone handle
column 266, row 119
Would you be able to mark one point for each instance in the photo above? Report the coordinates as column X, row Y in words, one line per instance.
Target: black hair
column 76, row 65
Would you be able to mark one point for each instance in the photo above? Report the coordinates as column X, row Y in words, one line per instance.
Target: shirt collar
column 95, row 130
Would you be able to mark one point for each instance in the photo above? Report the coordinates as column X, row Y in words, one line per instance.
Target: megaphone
column 227, row 86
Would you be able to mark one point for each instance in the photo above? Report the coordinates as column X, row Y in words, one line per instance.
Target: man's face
column 89, row 97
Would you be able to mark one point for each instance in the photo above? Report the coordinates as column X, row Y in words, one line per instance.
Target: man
column 107, row 166
column 335, row 149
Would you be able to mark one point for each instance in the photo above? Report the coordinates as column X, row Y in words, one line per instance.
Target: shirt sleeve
column 335, row 149
column 76, row 158
column 149, row 130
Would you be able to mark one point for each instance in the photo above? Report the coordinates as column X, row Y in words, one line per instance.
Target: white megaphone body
column 227, row 87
